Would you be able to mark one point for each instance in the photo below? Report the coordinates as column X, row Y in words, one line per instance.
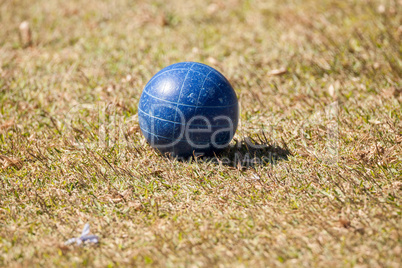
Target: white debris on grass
column 84, row 238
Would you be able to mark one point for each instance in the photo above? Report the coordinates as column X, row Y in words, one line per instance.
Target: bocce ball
column 187, row 109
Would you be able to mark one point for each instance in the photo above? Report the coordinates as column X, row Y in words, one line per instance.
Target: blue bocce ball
column 188, row 109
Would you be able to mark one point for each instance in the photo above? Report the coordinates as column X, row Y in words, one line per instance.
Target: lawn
column 313, row 176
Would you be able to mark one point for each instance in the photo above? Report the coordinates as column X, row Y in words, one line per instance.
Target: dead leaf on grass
column 25, row 34
column 392, row 92
column 345, row 223
column 133, row 129
column 212, row 60
column 157, row 173
column 279, row 71
column 397, row 185
column 135, row 205
column 7, row 124
column 212, row 9
column 331, row 90
column 10, row 162
column 360, row 230
column 127, row 79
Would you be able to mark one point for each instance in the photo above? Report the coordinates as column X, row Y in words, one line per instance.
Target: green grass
column 332, row 123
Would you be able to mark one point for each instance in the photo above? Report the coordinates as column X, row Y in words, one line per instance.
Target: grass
column 318, row 83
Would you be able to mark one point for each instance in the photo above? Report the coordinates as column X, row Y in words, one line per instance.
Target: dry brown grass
column 318, row 82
